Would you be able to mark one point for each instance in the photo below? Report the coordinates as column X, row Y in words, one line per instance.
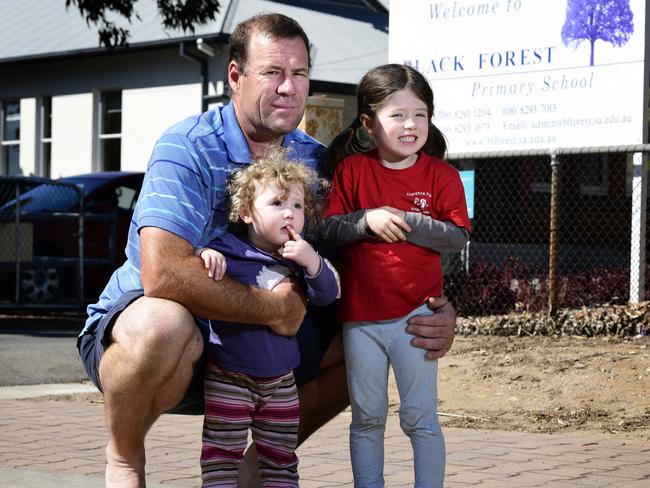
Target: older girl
column 394, row 209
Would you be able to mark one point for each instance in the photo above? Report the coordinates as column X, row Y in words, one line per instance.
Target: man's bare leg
column 324, row 397
column 321, row 399
column 145, row 372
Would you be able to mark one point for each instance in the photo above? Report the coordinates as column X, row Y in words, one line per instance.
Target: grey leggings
column 370, row 347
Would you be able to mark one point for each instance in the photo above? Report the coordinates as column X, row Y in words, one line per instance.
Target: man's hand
column 386, row 224
column 295, row 308
column 435, row 332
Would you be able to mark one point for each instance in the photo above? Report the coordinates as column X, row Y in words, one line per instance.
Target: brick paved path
column 61, row 443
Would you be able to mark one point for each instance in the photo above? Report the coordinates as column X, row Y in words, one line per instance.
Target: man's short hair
column 275, row 26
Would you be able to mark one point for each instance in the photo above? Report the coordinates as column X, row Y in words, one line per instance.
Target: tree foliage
column 590, row 20
column 184, row 14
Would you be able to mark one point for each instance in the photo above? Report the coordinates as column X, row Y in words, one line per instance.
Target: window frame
column 44, row 136
column 104, row 138
column 4, row 142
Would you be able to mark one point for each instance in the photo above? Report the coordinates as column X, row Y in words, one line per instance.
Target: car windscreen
column 52, row 197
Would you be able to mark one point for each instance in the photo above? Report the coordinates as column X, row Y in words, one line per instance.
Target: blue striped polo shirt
column 184, row 189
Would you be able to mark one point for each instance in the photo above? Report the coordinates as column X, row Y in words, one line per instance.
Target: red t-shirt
column 383, row 280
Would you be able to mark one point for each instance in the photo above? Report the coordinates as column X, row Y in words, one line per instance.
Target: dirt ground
column 545, row 384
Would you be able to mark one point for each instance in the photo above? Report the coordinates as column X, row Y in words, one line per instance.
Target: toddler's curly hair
column 274, row 168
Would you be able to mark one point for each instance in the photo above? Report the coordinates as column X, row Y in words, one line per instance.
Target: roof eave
column 376, row 6
column 219, row 38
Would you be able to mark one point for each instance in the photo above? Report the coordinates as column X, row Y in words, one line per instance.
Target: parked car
column 48, row 250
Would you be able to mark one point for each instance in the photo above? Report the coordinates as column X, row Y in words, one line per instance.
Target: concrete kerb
column 21, row 392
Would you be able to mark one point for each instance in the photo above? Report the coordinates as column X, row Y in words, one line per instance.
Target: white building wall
column 72, row 134
column 27, row 136
column 147, row 113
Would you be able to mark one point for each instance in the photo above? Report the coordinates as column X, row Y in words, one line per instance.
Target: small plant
column 595, row 287
column 481, row 292
column 515, row 287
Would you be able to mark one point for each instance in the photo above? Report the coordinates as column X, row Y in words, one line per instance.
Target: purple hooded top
column 252, row 349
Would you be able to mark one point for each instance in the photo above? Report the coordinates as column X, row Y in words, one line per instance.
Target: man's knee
column 334, row 352
column 156, row 326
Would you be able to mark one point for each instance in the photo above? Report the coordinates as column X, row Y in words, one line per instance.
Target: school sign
column 529, row 74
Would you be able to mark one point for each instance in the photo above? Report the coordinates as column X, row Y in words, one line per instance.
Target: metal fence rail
column 552, row 229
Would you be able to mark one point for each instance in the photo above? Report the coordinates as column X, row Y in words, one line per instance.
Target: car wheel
column 40, row 285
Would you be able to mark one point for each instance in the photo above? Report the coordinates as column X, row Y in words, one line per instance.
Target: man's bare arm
column 170, row 270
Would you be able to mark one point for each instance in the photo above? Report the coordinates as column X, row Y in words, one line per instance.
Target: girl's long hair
column 375, row 87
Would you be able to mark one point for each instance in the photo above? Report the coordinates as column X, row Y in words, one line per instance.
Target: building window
column 594, row 179
column 10, row 137
column 541, row 175
column 110, row 131
column 629, row 174
column 45, row 137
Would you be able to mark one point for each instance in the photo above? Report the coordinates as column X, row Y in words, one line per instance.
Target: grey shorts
column 314, row 337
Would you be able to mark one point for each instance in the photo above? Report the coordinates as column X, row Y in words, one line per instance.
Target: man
column 143, row 341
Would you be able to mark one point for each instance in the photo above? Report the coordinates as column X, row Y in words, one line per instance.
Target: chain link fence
column 549, row 231
column 41, row 244
column 60, row 241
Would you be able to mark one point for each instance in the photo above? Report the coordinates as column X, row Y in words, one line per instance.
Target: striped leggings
column 235, row 402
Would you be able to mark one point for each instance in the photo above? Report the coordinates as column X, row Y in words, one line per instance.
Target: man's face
column 270, row 98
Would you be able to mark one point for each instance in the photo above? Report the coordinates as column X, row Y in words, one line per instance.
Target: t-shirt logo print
column 420, row 202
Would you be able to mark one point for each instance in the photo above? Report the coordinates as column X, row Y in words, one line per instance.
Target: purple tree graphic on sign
column 590, row 20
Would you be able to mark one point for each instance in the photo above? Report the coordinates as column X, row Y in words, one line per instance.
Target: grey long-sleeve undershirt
column 426, row 232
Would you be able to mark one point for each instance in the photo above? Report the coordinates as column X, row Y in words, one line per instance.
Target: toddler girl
column 249, row 379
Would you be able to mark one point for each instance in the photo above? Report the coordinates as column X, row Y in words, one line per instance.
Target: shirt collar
column 236, row 144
